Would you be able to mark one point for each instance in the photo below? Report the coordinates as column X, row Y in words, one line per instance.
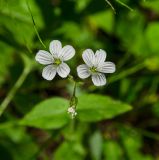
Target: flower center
column 93, row 69
column 57, row 62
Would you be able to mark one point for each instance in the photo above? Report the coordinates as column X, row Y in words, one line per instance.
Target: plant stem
column 127, row 72
column 13, row 91
column 36, row 31
column 125, row 5
column 74, row 100
column 73, row 103
column 111, row 6
column 74, row 90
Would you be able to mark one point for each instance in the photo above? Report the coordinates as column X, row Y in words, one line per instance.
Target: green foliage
column 93, row 107
column 96, row 145
column 49, row 114
column 132, row 142
column 35, row 123
column 109, row 147
column 103, row 20
column 153, row 5
column 71, row 151
column 52, row 113
column 6, row 51
column 152, row 36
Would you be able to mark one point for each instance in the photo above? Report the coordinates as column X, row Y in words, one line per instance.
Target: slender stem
column 72, row 125
column 74, row 90
column 123, row 60
column 36, row 31
column 74, row 100
column 13, row 91
column 144, row 132
column 125, row 5
column 127, row 72
column 111, row 6
column 73, row 103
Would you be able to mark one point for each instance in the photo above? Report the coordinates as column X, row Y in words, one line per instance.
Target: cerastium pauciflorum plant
column 54, row 61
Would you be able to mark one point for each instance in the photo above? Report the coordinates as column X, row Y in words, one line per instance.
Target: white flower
column 72, row 111
column 95, row 66
column 54, row 60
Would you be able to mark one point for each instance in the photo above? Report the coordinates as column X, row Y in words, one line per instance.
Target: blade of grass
column 111, row 6
column 34, row 25
column 125, row 5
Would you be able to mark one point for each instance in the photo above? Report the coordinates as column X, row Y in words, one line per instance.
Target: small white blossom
column 54, row 60
column 72, row 111
column 95, row 66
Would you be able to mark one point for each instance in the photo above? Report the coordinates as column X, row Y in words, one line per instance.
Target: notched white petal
column 99, row 79
column 44, row 57
column 67, row 53
column 63, row 70
column 107, row 67
column 88, row 57
column 100, row 57
column 55, row 48
column 83, row 71
column 49, row 72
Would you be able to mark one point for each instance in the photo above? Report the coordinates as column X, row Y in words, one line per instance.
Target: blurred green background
column 119, row 121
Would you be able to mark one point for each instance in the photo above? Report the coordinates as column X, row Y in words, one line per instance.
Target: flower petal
column 49, row 72
column 63, row 70
column 107, row 67
column 44, row 57
column 88, row 57
column 55, row 48
column 67, row 53
column 99, row 79
column 100, row 57
column 83, row 71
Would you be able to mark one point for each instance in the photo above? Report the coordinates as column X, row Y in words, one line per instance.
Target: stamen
column 93, row 69
column 57, row 62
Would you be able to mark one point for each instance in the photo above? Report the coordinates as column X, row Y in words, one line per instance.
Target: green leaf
column 112, row 150
column 152, row 5
column 152, row 36
column 69, row 151
column 49, row 114
column 94, row 107
column 152, row 63
column 132, row 142
column 14, row 138
column 81, row 5
column 19, row 24
column 103, row 20
column 96, row 145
